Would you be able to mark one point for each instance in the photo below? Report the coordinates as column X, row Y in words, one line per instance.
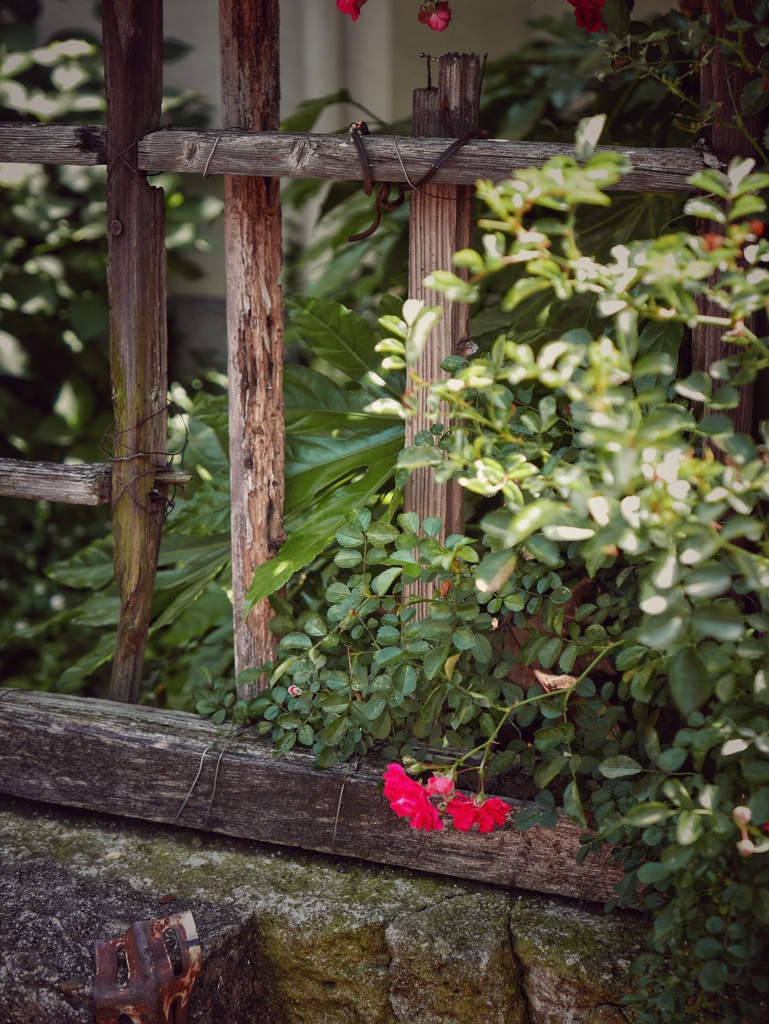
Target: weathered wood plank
column 294, row 155
column 48, row 481
column 441, row 222
column 89, row 484
column 253, row 259
column 83, row 145
column 133, row 63
column 144, row 763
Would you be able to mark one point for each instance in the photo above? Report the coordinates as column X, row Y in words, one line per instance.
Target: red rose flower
column 436, row 14
column 351, row 7
column 410, row 800
column 466, row 812
column 589, row 15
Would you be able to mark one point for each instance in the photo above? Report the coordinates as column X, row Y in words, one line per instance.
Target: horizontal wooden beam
column 49, row 481
column 392, row 158
column 294, row 155
column 175, row 768
column 76, row 485
column 83, row 145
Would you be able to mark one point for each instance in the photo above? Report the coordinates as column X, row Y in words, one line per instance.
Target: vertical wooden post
column 250, row 66
column 133, row 67
column 721, row 84
column 441, row 222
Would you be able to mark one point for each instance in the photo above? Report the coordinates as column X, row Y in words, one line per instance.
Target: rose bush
column 606, row 626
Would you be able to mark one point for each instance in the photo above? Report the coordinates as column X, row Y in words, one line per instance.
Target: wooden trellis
column 53, row 747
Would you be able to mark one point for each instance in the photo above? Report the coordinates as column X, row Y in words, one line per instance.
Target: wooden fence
column 98, row 755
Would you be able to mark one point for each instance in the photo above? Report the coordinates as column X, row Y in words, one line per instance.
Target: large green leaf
column 315, row 404
column 208, row 510
column 91, row 567
column 318, row 529
column 315, row 464
column 337, row 334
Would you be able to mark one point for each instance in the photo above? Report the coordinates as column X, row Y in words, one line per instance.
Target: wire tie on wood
column 339, row 802
column 121, row 156
column 232, row 128
column 456, row 145
column 227, row 738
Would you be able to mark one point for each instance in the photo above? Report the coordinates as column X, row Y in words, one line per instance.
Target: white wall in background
column 376, row 57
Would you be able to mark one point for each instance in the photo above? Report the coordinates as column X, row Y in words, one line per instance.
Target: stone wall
column 293, row 939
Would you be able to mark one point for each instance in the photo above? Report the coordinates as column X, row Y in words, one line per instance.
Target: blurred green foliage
column 55, row 393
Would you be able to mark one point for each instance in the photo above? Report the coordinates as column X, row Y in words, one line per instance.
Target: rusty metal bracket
column 147, row 976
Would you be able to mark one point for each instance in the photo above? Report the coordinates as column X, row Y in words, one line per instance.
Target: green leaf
column 721, row 620
column 382, row 534
column 618, row 767
column 753, row 99
column 548, row 653
column 374, row 708
column 688, row 828
column 524, row 289
column 667, row 422
column 420, row 328
column 652, row 872
column 350, row 536
column 334, row 731
column 616, row 14
column 713, row 975
column 102, row 652
column 717, row 425
column 705, row 209
column 661, row 631
column 307, row 112
column 527, row 818
column 296, row 642
column 647, row 814
column 697, row 387
column 630, row 657
column 512, row 531
column 207, row 512
column 337, row 334
column 381, row 583
column 434, row 702
column 435, row 660
column 672, row 759
column 548, row 770
column 494, row 570
column 432, row 526
column 690, row 682
column 572, row 804
column 709, row 581
column 91, row 568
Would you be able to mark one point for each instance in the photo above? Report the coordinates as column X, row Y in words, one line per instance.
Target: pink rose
column 295, row 690
column 746, row 847
column 351, row 7
column 436, row 14
column 485, row 813
column 409, row 799
column 589, row 15
column 440, row 785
